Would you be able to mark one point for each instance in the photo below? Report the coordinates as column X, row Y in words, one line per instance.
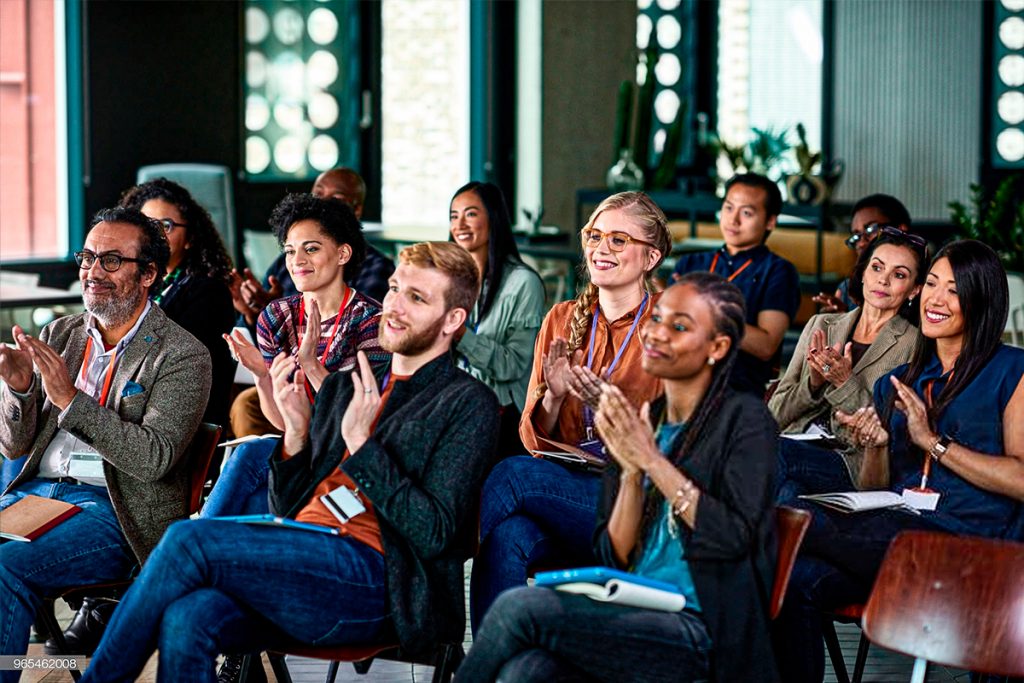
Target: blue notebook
column 274, row 520
column 598, row 575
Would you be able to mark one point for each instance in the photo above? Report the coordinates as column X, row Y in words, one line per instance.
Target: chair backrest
column 211, row 186
column 951, row 600
column 792, row 525
column 204, row 443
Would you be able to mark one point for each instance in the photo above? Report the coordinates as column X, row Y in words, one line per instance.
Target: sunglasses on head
column 878, row 229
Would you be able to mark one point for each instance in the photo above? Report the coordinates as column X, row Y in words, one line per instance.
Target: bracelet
column 684, row 491
column 940, row 447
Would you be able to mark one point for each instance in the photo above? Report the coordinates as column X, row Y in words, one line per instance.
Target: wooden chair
column 792, row 525
column 201, row 450
column 951, row 600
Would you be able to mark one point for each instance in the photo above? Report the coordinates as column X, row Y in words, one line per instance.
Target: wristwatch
column 940, row 448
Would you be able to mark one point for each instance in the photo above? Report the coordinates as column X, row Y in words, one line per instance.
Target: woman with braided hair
column 687, row 500
column 534, row 511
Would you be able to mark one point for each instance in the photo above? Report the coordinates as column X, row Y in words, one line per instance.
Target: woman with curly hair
column 195, row 292
column 687, row 500
column 535, row 511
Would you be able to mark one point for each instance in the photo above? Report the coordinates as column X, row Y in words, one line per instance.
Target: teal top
column 498, row 350
column 663, row 556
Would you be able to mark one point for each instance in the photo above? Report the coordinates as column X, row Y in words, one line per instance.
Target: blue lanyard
column 622, row 346
column 384, row 382
column 588, row 413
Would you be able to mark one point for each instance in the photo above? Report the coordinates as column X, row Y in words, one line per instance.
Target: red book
column 33, row 516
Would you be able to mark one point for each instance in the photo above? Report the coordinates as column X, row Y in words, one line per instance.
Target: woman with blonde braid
column 535, row 511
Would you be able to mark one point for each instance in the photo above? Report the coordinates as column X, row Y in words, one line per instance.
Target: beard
column 413, row 342
column 117, row 309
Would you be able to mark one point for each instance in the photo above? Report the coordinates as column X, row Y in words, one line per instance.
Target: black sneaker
column 231, row 669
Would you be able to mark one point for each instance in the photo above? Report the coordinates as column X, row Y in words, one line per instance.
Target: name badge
column 86, row 466
column 921, row 499
column 343, row 503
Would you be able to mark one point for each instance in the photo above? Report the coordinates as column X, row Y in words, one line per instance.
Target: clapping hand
column 625, row 431
column 585, row 385
column 57, row 383
column 830, row 303
column 16, row 363
column 358, row 419
column 248, row 295
column 246, row 354
column 311, row 337
column 911, row 405
column 832, row 364
column 865, row 427
column 557, row 367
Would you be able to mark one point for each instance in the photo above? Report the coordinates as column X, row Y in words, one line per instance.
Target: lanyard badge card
column 343, row 503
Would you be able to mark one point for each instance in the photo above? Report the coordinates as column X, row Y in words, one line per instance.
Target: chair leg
column 835, row 653
column 920, row 672
column 243, row 674
column 48, row 615
column 363, row 667
column 447, row 661
column 279, row 667
column 332, row 671
column 862, row 657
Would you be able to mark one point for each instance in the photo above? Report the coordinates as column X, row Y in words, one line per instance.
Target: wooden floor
column 882, row 666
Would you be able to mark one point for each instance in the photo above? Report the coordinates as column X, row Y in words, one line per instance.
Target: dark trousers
column 539, row 635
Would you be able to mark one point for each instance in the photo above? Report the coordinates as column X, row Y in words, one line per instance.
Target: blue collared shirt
column 769, row 283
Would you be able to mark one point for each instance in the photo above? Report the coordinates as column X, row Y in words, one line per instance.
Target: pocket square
column 131, row 388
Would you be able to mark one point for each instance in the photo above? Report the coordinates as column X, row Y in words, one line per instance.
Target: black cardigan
column 423, row 469
column 731, row 550
column 202, row 305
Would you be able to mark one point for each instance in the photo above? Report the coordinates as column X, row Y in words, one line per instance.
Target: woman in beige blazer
column 838, row 359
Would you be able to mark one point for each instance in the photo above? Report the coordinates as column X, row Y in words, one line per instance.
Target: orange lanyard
column 926, row 470
column 110, row 370
column 330, row 339
column 714, row 262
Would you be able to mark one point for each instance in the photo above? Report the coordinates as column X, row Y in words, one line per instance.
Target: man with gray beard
column 104, row 404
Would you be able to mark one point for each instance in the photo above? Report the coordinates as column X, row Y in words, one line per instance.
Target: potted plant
column 811, row 185
column 996, row 219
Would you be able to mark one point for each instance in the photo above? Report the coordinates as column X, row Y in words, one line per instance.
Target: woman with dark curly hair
column 195, row 292
column 321, row 328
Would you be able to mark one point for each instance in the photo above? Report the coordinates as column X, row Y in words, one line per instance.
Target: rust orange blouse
column 628, row 376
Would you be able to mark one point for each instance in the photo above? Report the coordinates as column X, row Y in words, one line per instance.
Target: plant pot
column 810, row 190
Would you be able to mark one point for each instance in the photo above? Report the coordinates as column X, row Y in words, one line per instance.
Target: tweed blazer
column 423, row 468
column 795, row 406
column 143, row 437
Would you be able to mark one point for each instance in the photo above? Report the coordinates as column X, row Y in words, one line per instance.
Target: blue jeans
column 838, row 562
column 537, row 635
column 531, row 512
column 9, row 471
column 805, row 469
column 88, row 547
column 213, row 586
column 242, row 486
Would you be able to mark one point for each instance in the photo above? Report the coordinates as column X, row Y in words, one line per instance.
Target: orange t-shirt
column 629, row 375
column 363, row 527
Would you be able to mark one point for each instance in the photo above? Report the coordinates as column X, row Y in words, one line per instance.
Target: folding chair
column 792, row 525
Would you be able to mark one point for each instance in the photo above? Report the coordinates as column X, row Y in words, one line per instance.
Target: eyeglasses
column 109, row 262
column 167, row 224
column 617, row 241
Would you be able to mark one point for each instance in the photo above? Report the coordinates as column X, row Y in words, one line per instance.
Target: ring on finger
column 825, row 369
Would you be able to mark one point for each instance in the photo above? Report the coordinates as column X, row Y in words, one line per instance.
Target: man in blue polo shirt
column 769, row 283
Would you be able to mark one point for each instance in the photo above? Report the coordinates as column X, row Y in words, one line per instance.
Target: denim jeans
column 242, row 486
column 213, row 586
column 532, row 511
column 9, row 470
column 805, row 469
column 838, row 562
column 88, row 547
column 537, row 635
